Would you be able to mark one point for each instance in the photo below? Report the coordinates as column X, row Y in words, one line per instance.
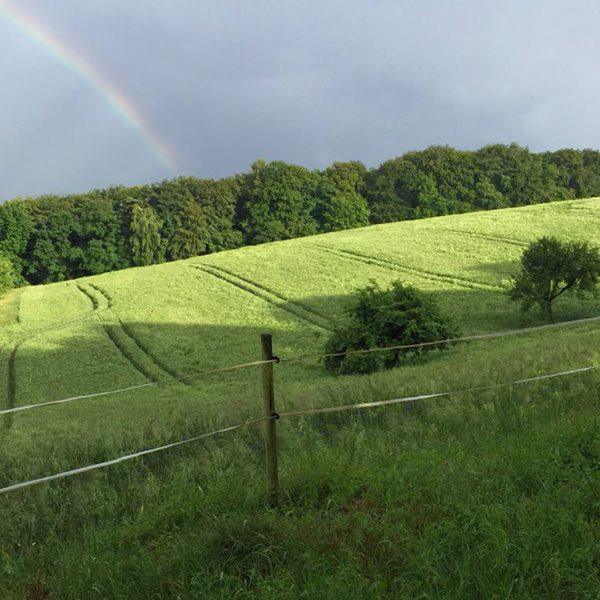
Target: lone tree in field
column 401, row 315
column 550, row 268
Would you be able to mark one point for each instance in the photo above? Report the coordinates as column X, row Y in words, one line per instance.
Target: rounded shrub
column 401, row 315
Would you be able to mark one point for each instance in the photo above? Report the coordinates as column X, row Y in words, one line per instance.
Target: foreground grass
column 491, row 496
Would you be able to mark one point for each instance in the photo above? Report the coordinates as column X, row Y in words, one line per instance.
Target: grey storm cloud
column 226, row 82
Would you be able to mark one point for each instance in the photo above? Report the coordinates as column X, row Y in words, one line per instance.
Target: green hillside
column 163, row 324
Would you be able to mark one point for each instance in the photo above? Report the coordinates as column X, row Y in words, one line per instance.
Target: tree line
column 53, row 238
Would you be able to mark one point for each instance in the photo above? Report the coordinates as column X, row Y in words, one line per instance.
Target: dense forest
column 52, row 238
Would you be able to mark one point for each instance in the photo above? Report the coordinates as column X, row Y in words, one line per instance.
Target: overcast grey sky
column 225, row 82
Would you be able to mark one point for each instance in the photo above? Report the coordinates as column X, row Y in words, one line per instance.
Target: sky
column 108, row 92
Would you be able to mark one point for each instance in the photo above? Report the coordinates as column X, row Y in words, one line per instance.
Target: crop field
column 387, row 484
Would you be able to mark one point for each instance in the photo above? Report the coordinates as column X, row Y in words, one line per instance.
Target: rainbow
column 117, row 101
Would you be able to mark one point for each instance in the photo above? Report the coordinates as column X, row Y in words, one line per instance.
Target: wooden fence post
column 270, row 424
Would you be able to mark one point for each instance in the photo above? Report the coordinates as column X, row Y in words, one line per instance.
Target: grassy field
column 494, row 494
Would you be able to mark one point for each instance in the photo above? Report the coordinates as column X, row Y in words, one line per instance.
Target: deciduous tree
column 145, row 239
column 551, row 268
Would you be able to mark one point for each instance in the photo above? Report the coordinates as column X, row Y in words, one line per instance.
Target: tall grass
column 493, row 495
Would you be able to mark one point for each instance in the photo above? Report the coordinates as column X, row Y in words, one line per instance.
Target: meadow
column 488, row 494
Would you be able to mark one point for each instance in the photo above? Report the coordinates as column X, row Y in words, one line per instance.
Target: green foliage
column 392, row 191
column 487, row 196
column 341, row 204
column 51, row 255
column 550, row 268
column 278, row 202
column 144, row 235
column 180, row 219
column 377, row 318
column 409, row 188
column 7, row 273
column 452, row 174
column 217, row 201
column 15, row 230
column 191, row 234
column 516, row 173
column 95, row 235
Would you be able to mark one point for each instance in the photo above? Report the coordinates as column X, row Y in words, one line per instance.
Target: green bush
column 401, row 315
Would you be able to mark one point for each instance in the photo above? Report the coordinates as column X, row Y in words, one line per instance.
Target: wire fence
column 468, row 338
column 130, row 388
column 271, row 415
column 300, row 357
column 295, row 413
column 120, row 459
column 344, row 407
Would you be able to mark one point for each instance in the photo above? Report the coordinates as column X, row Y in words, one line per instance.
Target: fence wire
column 120, row 459
column 200, row 374
column 297, row 413
column 344, row 407
column 468, row 338
column 130, row 388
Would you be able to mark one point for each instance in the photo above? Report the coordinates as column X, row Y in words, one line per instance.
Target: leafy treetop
column 551, row 268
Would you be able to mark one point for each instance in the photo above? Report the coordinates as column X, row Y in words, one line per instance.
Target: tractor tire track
column 11, row 373
column 296, row 310
column 18, row 308
column 11, row 384
column 32, row 333
column 150, row 353
column 104, row 294
column 126, row 354
column 97, row 308
column 393, row 266
column 93, row 299
column 295, row 303
column 105, row 302
column 11, row 311
column 485, row 236
column 112, row 335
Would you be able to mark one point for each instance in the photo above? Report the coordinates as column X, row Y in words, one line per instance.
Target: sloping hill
column 162, row 324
